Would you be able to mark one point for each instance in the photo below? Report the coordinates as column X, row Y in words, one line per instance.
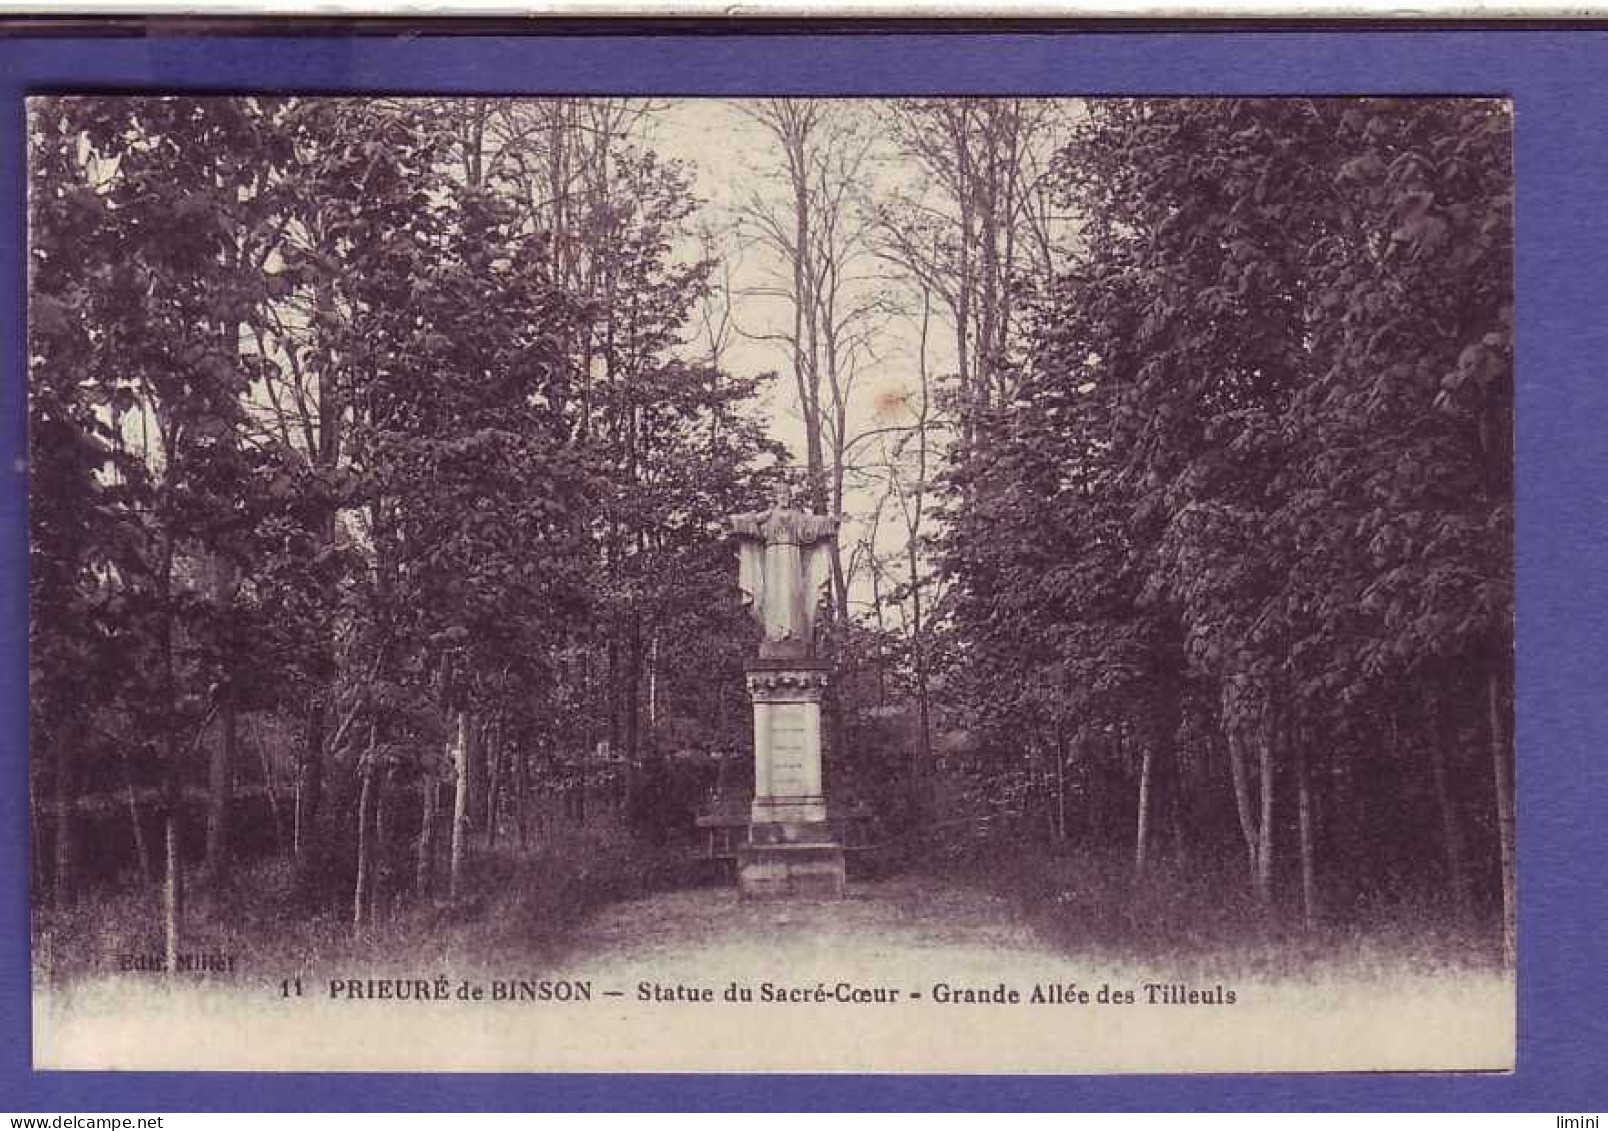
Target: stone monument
column 784, row 558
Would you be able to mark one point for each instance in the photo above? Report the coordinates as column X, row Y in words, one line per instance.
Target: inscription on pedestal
column 789, row 750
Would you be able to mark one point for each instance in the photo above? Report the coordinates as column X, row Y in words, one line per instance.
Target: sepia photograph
column 771, row 584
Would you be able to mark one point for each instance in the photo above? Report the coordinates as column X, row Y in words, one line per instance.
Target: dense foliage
column 376, row 430
column 1244, row 539
column 328, row 428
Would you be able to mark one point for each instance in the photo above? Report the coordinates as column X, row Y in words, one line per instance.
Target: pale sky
column 732, row 156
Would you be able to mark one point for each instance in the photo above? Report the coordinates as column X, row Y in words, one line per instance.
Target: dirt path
column 912, row 929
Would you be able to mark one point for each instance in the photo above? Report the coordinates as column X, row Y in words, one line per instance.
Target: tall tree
column 1280, row 366
column 819, row 230
column 976, row 227
column 171, row 198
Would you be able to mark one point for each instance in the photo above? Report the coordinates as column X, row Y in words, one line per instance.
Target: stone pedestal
column 791, row 848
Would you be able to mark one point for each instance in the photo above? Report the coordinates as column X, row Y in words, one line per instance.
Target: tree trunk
column 273, row 790
column 474, row 774
column 1502, row 771
column 522, row 788
column 460, row 803
column 1175, row 806
column 1309, row 885
column 309, row 785
column 66, row 833
column 142, row 850
column 221, row 757
column 1242, row 796
column 330, row 409
column 633, row 692
column 172, row 789
column 611, row 683
column 424, row 862
column 921, row 776
column 653, row 683
column 172, row 892
column 494, row 784
column 1060, row 785
column 1264, row 851
column 380, row 854
column 1146, row 766
column 220, row 794
column 1457, row 876
column 360, row 890
column 38, row 879
column 365, row 821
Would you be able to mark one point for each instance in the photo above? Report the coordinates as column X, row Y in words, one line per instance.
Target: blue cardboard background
column 1559, row 81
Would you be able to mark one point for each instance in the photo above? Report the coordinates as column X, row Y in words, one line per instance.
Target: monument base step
column 791, row 870
column 808, row 832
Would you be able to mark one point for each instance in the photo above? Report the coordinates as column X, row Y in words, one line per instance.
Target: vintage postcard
column 944, row 584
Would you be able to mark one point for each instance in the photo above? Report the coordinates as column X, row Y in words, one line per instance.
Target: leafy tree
column 1267, row 406
column 151, row 249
